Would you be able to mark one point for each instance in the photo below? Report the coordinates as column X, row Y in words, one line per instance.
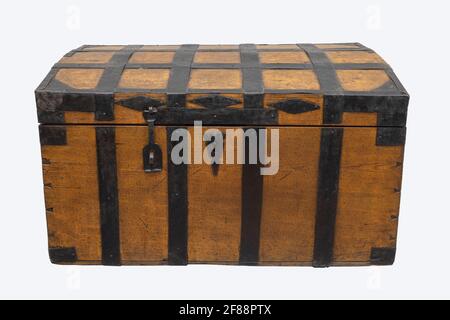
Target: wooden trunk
column 341, row 116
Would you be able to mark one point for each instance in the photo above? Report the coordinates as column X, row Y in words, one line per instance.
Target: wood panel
column 71, row 194
column 354, row 57
column 214, row 213
column 144, row 79
column 369, row 196
column 152, row 57
column 217, row 57
column 80, row 78
column 290, row 80
column 215, row 79
column 143, row 199
column 289, row 205
column 284, row 57
column 362, row 80
column 88, row 57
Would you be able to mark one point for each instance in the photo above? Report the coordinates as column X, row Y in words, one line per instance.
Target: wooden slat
column 71, row 194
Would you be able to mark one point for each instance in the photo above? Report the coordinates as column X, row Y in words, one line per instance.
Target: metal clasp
column 152, row 152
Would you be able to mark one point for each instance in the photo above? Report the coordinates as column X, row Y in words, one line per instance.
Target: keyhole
column 151, row 158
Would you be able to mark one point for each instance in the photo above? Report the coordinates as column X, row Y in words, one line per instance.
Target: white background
column 410, row 35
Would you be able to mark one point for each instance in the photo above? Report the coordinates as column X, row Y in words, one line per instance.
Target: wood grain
column 214, row 213
column 152, row 57
column 215, row 79
column 71, row 194
column 284, row 57
column 290, row 80
column 362, row 80
column 217, row 57
column 354, row 57
column 288, row 219
column 80, row 78
column 369, row 196
column 143, row 198
column 88, row 57
column 144, row 79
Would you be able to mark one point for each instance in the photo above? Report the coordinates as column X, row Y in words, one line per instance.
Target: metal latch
column 152, row 152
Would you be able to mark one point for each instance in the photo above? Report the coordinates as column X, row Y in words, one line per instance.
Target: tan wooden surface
column 143, row 198
column 215, row 79
column 71, row 194
column 369, row 196
column 362, row 80
column 290, row 80
column 145, row 79
column 80, row 78
column 88, row 57
column 367, row 217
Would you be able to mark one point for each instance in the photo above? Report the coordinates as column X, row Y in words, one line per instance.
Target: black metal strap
column 252, row 199
column 109, row 197
column 179, row 75
column 327, row 197
column 252, row 78
column 178, row 207
column 109, row 81
column 323, row 67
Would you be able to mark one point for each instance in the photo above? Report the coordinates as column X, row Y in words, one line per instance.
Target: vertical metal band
column 252, row 77
column 323, row 67
column 252, row 180
column 327, row 197
column 109, row 198
column 109, row 81
column 179, row 76
column 178, row 207
column 252, row 199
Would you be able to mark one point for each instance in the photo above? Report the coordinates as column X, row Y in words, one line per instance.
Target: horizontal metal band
column 361, row 66
column 295, row 66
column 183, row 116
column 392, row 110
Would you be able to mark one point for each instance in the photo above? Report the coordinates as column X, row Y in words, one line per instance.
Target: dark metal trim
column 109, row 195
column 391, row 136
column 383, row 256
column 178, row 207
column 327, row 197
column 392, row 110
column 182, row 116
column 63, row 255
column 252, row 79
column 252, row 199
column 361, row 66
column 323, row 67
column 215, row 102
column 52, row 136
column 179, row 76
column 295, row 106
column 140, row 103
column 109, row 82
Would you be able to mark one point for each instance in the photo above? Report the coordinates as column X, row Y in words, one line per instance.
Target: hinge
column 152, row 152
